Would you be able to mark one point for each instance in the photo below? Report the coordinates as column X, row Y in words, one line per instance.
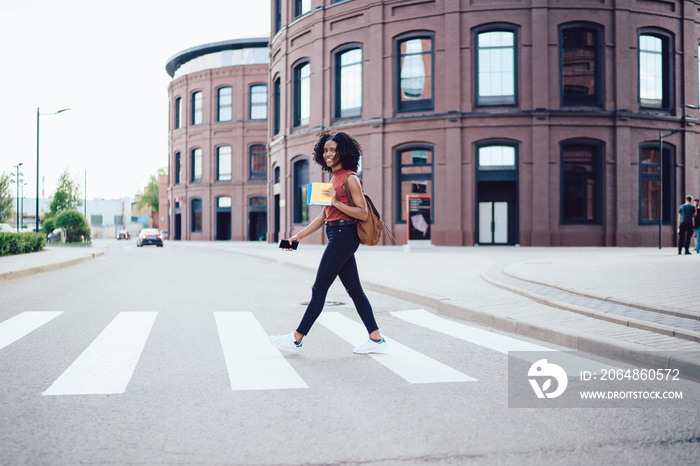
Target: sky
column 105, row 61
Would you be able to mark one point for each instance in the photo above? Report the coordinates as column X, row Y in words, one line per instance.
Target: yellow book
column 314, row 195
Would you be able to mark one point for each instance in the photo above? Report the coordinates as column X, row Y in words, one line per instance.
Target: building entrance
column 497, row 213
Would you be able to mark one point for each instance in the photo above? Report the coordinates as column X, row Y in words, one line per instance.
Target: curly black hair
column 349, row 150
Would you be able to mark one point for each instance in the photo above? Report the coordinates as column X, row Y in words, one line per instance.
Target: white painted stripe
column 23, row 324
column 253, row 362
column 492, row 340
column 409, row 364
column 106, row 366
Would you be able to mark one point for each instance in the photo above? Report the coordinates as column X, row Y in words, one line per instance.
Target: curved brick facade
column 562, row 148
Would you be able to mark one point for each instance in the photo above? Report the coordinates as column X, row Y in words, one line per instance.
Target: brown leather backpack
column 369, row 231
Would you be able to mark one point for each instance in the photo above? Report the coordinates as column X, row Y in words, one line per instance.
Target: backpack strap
column 347, row 191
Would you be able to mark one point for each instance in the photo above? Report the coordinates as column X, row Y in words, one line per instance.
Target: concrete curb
column 47, row 268
column 636, row 305
column 625, row 321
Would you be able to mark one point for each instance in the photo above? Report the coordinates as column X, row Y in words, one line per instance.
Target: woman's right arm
column 317, row 223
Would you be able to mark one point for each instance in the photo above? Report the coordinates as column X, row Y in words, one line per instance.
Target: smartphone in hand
column 286, row 244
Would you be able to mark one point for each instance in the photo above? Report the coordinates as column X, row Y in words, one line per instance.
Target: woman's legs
column 341, row 246
column 350, row 278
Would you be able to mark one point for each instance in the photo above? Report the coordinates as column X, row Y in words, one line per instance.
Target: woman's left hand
column 330, row 192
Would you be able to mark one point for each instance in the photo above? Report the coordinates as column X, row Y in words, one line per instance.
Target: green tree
column 6, row 200
column 76, row 226
column 67, row 195
column 150, row 196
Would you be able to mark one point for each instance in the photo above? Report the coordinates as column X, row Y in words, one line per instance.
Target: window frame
column 219, row 105
column 277, row 105
column 300, row 210
column 178, row 167
column 218, row 163
column 297, row 85
column 416, row 105
column 667, row 76
column 491, row 101
column 177, row 122
column 197, row 110
column 596, row 174
column 252, row 175
column 596, row 99
column 668, row 174
column 401, row 177
column 355, row 112
column 193, row 216
column 252, row 105
column 193, row 159
column 299, row 8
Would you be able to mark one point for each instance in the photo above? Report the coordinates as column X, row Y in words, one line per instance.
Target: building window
column 301, row 179
column 496, row 157
column 258, row 102
column 415, row 175
column 348, row 83
column 302, row 94
column 178, row 113
column 223, row 163
column 224, row 104
column 276, row 115
column 651, row 175
column 196, row 215
column 178, row 168
column 415, row 74
column 196, row 165
column 278, row 15
column 580, row 66
column 301, row 7
column 581, row 183
column 654, row 71
column 197, row 109
column 258, row 162
column 496, row 65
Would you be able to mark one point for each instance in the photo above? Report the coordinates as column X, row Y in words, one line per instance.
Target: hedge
column 20, row 243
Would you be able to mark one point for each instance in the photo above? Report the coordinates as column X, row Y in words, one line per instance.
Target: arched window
column 580, row 55
column 496, row 64
column 196, row 165
column 301, row 180
column 655, row 70
column 178, row 168
column 348, row 83
column 414, row 81
column 655, row 177
column 276, row 116
column 223, row 163
column 581, row 182
column 178, row 113
column 258, row 102
column 414, row 175
column 197, row 108
column 302, row 94
column 196, row 215
column 258, row 162
column 224, row 104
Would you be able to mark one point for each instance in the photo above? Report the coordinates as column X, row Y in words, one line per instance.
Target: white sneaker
column 371, row 347
column 286, row 343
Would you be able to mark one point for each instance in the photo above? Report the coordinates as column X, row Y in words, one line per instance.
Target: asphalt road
column 183, row 315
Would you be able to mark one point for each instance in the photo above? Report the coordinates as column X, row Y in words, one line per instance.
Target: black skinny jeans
column 338, row 261
column 685, row 232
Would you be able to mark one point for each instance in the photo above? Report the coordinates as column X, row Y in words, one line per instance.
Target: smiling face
column 330, row 155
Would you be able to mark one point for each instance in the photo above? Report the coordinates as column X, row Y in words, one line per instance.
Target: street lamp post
column 23, row 185
column 18, row 174
column 38, row 115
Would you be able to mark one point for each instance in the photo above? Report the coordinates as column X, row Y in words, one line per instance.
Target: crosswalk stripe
column 491, row 340
column 253, row 362
column 106, row 366
column 409, row 364
column 23, row 324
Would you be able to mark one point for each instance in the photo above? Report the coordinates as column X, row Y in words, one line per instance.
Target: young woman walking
column 338, row 153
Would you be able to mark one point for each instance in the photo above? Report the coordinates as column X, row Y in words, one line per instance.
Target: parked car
column 123, row 234
column 55, row 236
column 5, row 228
column 149, row 236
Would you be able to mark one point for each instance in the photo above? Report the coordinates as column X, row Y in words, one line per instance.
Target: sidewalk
column 629, row 304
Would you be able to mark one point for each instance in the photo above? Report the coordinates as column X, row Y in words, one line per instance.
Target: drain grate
column 328, row 303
